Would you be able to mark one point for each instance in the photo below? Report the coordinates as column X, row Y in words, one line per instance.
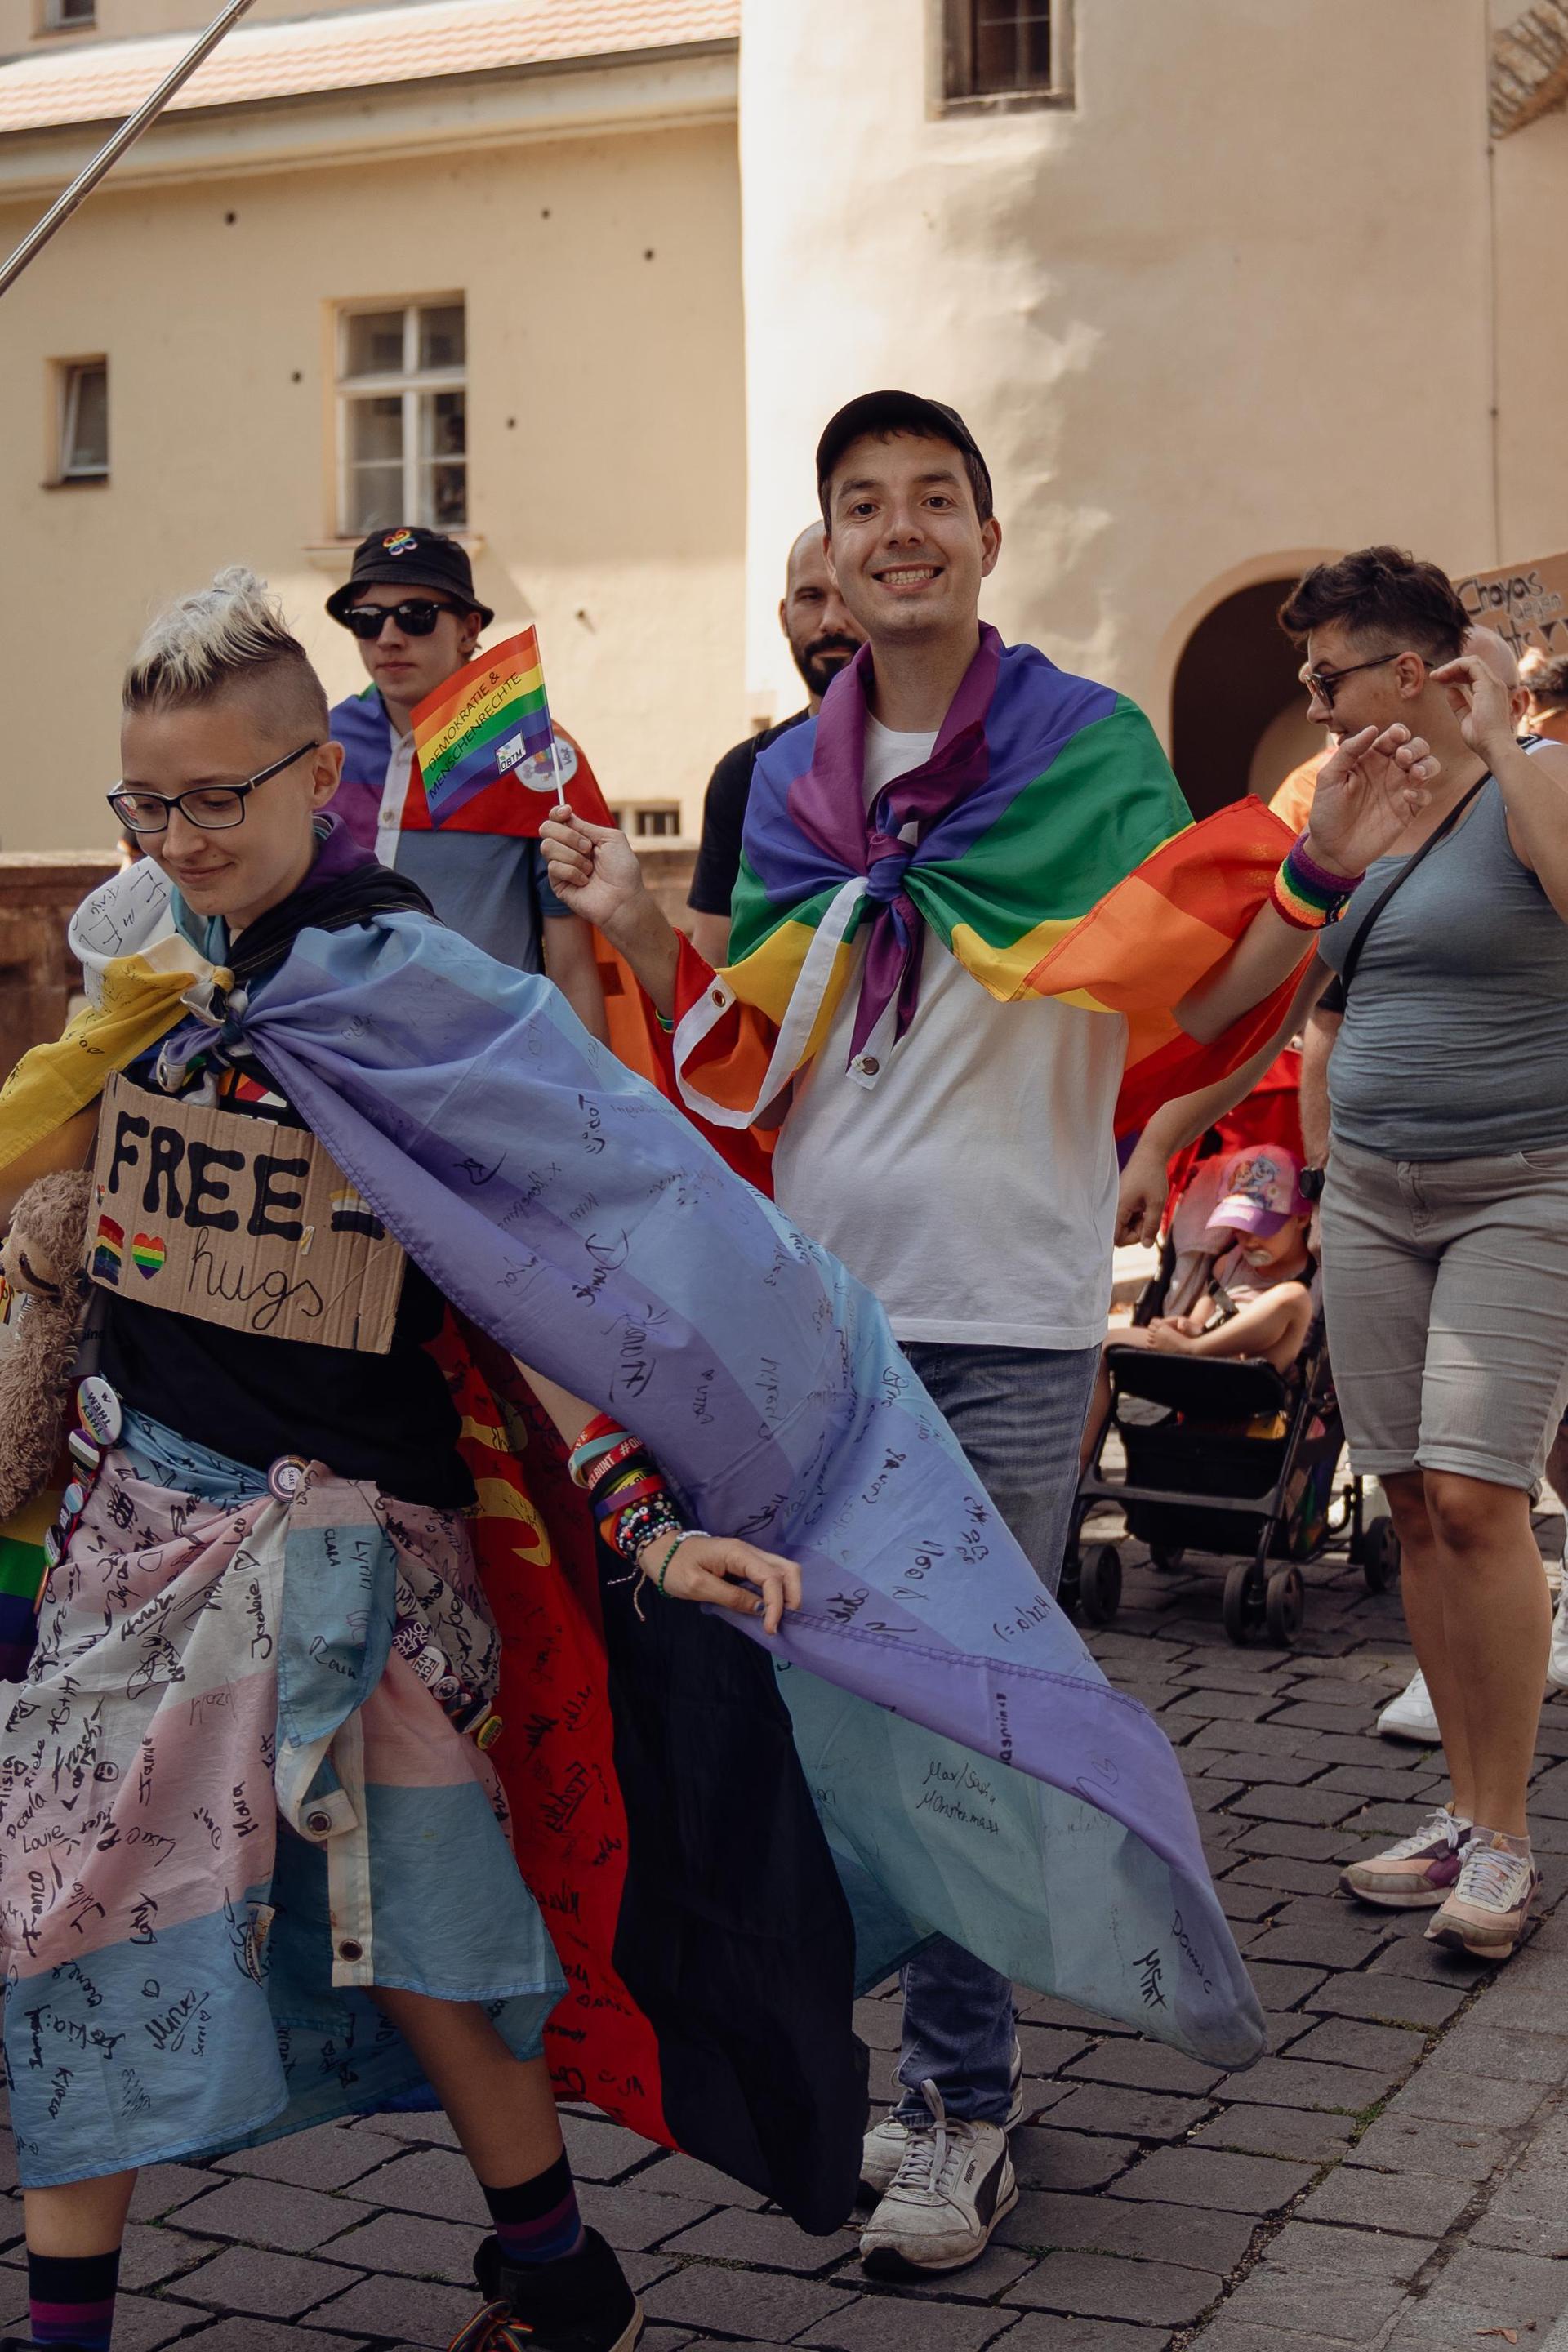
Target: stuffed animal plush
column 43, row 1293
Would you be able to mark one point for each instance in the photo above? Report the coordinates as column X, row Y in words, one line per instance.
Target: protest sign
column 1525, row 603
column 239, row 1221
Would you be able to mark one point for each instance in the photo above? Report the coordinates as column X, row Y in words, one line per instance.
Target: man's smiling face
column 908, row 548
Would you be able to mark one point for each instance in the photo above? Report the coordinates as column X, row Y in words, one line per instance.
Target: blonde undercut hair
column 231, row 637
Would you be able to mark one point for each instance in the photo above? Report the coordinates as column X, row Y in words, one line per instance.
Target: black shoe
column 581, row 2305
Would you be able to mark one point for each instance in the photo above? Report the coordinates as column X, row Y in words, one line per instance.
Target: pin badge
column 287, row 1476
column 73, row 1502
column 83, row 1450
column 98, row 1408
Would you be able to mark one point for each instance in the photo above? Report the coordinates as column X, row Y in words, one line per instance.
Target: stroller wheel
column 1378, row 1553
column 1099, row 1585
column 1243, row 1602
column 1284, row 1605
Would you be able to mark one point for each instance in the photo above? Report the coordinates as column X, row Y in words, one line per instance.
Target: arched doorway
column 1238, row 716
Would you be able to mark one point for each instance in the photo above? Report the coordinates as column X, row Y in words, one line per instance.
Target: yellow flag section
column 140, row 1000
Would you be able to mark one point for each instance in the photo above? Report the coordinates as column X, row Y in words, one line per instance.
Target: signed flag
column 488, row 722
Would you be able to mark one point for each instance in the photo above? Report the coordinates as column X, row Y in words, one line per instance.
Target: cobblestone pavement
column 1393, row 2175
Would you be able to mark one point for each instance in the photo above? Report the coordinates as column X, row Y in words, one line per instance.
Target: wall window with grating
column 652, row 820
column 83, row 454
column 1001, row 54
column 69, row 16
column 403, row 430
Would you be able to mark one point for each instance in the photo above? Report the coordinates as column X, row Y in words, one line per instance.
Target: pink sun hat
column 1259, row 1191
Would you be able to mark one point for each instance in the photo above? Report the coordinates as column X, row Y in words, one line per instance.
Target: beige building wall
column 1247, row 301
column 606, row 415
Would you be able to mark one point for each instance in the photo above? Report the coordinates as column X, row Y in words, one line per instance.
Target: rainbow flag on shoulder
column 1045, row 843
column 489, row 720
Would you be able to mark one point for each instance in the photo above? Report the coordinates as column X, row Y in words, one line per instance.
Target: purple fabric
column 571, row 1212
column 829, row 801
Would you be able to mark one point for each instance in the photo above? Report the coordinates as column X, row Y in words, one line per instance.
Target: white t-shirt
column 973, row 1187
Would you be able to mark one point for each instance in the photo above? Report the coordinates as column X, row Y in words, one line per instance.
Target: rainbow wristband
column 1305, row 894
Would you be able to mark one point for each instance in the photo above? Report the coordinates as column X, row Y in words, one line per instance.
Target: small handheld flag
column 487, row 721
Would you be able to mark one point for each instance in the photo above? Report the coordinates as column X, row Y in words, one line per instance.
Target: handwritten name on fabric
column 239, row 1221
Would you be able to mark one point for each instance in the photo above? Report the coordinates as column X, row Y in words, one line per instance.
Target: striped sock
column 537, row 2222
column 72, row 2298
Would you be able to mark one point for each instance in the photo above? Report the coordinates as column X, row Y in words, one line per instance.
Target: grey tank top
column 1454, row 1041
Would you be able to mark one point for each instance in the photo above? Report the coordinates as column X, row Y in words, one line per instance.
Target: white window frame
column 70, row 375
column 954, row 64
column 409, row 382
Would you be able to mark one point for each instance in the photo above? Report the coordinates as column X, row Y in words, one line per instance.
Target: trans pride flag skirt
column 228, row 1809
column 706, row 1817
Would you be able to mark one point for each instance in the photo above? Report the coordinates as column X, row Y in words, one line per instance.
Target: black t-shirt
column 724, row 820
column 386, row 1419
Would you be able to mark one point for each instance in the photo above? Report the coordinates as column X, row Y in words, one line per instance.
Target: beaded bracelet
column 1306, row 894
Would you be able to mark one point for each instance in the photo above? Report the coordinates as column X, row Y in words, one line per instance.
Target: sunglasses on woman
column 416, row 618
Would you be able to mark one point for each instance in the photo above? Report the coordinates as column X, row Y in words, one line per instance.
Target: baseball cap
column 425, row 559
column 895, row 411
column 1261, row 1190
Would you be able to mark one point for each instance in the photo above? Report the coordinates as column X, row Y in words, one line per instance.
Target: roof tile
column 418, row 41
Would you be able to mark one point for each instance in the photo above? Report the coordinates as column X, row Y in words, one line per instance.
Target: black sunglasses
column 214, row 808
column 416, row 618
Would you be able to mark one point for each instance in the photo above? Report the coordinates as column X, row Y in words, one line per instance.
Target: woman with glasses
column 1445, row 1216
column 269, row 1853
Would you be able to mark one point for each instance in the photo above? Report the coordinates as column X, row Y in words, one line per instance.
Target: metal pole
column 109, row 154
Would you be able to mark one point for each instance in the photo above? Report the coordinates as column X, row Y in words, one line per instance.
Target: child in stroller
column 1221, row 1392
column 1246, row 1288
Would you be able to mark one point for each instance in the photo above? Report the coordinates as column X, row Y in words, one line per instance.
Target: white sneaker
column 1411, row 1716
column 1557, row 1657
column 954, row 2184
column 883, row 2149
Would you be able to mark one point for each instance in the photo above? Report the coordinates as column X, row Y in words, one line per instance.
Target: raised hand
column 1481, row 704
column 728, row 1573
column 1368, row 792
column 593, row 868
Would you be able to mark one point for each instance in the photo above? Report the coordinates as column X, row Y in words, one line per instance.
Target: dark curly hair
column 1384, row 599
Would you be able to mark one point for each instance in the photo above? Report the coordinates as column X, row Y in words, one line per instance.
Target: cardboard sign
column 239, row 1221
column 1525, row 603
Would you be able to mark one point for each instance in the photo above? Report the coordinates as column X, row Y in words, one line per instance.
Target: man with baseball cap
column 410, row 602
column 942, row 978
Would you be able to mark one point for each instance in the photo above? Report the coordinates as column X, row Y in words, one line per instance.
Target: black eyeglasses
column 416, row 618
column 212, row 807
column 1322, row 682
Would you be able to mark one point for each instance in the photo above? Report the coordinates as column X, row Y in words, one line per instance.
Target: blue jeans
column 1018, row 1413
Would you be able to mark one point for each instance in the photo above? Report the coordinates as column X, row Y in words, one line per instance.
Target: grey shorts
column 1446, row 1292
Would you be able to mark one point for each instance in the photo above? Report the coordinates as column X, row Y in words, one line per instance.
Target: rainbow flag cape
column 487, row 721
column 1045, row 843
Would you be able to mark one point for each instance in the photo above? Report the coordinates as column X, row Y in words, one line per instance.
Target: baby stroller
column 1225, row 1454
